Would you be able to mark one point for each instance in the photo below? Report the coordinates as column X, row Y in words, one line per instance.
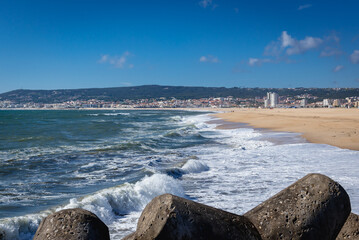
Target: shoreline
column 335, row 127
column 275, row 137
column 119, row 109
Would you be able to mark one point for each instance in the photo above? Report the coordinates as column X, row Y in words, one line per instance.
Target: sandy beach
column 334, row 126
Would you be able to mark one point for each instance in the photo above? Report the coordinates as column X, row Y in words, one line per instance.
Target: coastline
column 211, row 171
column 333, row 126
column 337, row 127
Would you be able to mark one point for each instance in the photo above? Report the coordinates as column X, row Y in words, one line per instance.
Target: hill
column 156, row 91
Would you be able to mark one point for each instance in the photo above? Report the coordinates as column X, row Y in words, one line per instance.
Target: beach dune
column 334, row 126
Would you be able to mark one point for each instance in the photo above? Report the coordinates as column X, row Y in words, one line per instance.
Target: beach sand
column 334, row 126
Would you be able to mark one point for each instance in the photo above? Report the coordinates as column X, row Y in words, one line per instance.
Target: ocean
column 114, row 162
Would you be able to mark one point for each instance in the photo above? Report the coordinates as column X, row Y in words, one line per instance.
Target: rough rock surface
column 173, row 218
column 350, row 230
column 72, row 224
column 314, row 207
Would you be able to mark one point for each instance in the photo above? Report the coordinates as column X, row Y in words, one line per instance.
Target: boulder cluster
column 315, row 207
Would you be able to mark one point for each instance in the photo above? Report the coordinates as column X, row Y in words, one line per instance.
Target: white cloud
column 253, row 61
column 286, row 46
column 103, row 59
column 209, row 58
column 258, row 61
column 338, row 68
column 117, row 61
column 205, row 3
column 287, row 40
column 291, row 46
column 354, row 57
column 203, row 59
column 301, row 7
column 301, row 46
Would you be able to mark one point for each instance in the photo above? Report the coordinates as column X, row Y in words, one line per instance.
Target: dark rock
column 170, row 217
column 314, row 207
column 72, row 224
column 350, row 230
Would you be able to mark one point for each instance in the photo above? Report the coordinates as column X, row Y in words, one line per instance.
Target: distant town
column 271, row 100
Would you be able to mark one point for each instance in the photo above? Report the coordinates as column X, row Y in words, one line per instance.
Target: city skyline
column 215, row 43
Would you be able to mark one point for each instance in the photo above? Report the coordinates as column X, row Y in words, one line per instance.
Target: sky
column 69, row 44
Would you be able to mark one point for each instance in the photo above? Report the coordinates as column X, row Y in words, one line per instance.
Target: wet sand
column 337, row 127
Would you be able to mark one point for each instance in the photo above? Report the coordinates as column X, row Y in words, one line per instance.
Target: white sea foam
column 194, row 166
column 108, row 114
column 108, row 204
column 22, row 228
column 199, row 121
column 126, row 198
column 116, row 114
column 245, row 170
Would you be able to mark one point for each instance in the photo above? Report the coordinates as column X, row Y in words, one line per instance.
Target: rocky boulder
column 314, row 207
column 170, row 217
column 350, row 230
column 72, row 224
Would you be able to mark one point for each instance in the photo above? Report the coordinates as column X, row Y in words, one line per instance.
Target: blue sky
column 62, row 44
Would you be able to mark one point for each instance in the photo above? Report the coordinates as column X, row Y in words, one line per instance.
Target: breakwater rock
column 172, row 217
column 350, row 230
column 72, row 224
column 314, row 207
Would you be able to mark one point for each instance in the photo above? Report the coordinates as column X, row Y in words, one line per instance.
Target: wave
column 191, row 166
column 194, row 166
column 200, row 122
column 116, row 114
column 108, row 114
column 131, row 145
column 107, row 204
column 22, row 228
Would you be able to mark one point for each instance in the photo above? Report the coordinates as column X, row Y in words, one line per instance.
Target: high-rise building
column 274, row 99
column 271, row 100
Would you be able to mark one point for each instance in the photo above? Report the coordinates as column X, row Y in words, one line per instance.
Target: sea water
column 114, row 162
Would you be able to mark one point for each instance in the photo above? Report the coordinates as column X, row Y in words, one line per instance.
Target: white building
column 326, row 102
column 272, row 100
column 303, row 102
column 266, row 103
